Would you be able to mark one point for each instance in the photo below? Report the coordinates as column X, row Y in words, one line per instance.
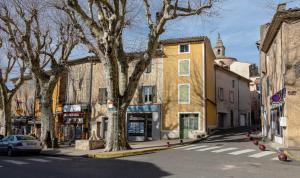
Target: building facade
column 280, row 77
column 244, row 70
column 189, row 107
column 233, row 99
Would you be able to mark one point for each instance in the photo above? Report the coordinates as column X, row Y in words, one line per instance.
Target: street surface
column 224, row 155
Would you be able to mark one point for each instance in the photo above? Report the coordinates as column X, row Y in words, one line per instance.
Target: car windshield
column 24, row 137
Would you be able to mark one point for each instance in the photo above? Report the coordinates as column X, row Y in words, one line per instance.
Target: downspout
column 90, row 99
column 204, row 88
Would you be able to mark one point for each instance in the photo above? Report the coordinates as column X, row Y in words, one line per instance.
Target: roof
column 83, row 60
column 184, row 40
column 232, row 73
column 280, row 16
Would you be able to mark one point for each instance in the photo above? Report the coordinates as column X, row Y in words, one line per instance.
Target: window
column 183, row 93
column 136, row 128
column 149, row 68
column 147, row 94
column 219, row 51
column 190, row 121
column 231, row 96
column 221, row 94
column 183, row 67
column 102, row 96
column 268, row 86
column 184, row 48
column 233, row 82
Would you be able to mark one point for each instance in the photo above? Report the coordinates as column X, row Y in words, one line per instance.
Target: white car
column 20, row 144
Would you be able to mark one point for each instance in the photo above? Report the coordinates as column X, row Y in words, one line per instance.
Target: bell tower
column 219, row 49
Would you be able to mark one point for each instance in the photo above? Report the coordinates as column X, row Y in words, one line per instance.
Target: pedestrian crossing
column 233, row 151
column 26, row 161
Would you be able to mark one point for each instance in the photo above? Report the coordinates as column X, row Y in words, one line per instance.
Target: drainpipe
column 90, row 99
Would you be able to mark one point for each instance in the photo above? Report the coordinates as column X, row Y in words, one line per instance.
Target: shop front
column 75, row 123
column 277, row 116
column 143, row 122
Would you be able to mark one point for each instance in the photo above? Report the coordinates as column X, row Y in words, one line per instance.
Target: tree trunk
column 7, row 118
column 46, row 119
column 117, row 134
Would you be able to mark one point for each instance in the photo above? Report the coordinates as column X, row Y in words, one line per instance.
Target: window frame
column 231, row 93
column 106, row 93
column 189, row 70
column 179, row 52
column 219, row 93
column 143, row 93
column 189, row 93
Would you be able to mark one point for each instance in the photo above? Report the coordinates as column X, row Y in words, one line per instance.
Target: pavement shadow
column 92, row 168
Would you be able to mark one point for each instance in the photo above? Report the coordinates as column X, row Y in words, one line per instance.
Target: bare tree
column 101, row 24
column 11, row 63
column 44, row 42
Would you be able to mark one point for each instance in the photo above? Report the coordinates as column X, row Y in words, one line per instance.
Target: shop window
column 102, row 96
column 184, row 48
column 136, row 128
column 184, row 93
column 183, row 67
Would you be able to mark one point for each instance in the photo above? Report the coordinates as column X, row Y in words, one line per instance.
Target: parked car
column 20, row 144
column 1, row 137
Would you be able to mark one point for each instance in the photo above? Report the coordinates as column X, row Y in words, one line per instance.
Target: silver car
column 20, row 144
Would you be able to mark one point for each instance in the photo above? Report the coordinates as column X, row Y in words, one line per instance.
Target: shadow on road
column 230, row 135
column 86, row 168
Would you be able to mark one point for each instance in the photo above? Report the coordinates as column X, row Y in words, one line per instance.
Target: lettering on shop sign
column 292, row 93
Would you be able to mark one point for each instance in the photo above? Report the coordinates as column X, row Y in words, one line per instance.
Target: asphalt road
column 228, row 155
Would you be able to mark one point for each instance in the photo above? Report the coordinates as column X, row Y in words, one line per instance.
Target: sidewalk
column 292, row 153
column 137, row 148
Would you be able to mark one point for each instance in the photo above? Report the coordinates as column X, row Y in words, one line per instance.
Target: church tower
column 219, row 49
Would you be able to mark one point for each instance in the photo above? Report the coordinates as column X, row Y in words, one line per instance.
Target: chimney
column 281, row 7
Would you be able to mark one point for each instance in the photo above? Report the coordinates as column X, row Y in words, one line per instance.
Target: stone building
column 233, row 99
column 245, row 70
column 280, row 77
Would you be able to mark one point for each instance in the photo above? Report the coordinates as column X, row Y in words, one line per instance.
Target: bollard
column 181, row 141
column 168, row 144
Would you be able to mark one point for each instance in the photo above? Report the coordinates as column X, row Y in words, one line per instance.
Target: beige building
column 233, row 99
column 280, row 77
column 245, row 70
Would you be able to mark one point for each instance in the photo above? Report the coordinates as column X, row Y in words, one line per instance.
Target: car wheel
column 10, row 152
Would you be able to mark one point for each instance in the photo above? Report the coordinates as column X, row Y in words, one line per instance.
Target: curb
column 291, row 156
column 125, row 154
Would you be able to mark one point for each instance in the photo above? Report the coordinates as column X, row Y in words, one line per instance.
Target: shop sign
column 73, row 114
column 72, row 108
column 292, row 93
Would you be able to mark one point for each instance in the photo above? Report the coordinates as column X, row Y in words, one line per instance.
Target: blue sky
column 238, row 22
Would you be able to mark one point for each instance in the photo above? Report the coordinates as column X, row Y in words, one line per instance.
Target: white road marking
column 262, row 154
column 185, row 146
column 241, row 152
column 224, row 149
column 210, row 148
column 1, row 166
column 15, row 162
column 275, row 158
column 196, row 147
column 58, row 158
column 39, row 160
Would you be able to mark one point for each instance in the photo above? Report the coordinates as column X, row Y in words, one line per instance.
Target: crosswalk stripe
column 15, row 162
column 39, row 160
column 210, row 148
column 196, row 147
column 58, row 158
column 275, row 158
column 185, row 146
column 241, row 152
column 224, row 149
column 261, row 154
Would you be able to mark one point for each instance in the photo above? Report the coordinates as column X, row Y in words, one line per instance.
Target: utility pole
column 90, row 98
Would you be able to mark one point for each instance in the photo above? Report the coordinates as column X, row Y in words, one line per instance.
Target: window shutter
column 100, row 96
column 105, row 96
column 154, row 92
column 140, row 93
